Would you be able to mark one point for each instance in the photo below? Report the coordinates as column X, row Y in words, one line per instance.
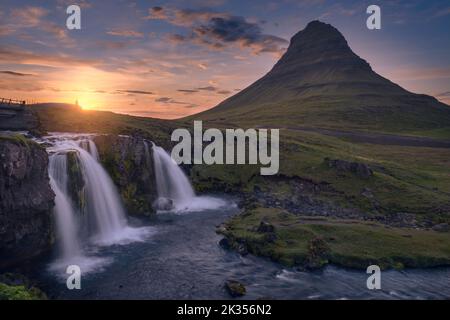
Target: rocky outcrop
column 128, row 161
column 361, row 170
column 26, row 201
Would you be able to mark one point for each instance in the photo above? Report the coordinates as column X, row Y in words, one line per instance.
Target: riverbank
column 313, row 242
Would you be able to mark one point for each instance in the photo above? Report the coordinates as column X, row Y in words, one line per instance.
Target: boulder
column 129, row 162
column 162, row 203
column 235, row 288
column 441, row 227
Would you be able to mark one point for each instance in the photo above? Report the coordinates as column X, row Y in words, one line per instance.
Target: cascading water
column 66, row 221
column 171, row 182
column 173, row 185
column 104, row 221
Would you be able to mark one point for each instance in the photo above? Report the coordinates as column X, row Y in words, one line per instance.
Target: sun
column 88, row 101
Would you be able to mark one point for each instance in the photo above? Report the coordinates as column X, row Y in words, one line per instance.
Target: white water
column 173, row 184
column 104, row 222
column 66, row 222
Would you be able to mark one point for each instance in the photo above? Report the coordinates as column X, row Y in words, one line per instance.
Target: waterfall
column 65, row 215
column 171, row 182
column 105, row 220
column 175, row 192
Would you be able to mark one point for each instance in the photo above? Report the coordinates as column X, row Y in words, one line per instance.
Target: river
column 181, row 259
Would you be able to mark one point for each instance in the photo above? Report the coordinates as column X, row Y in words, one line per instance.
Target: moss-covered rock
column 235, row 288
column 18, row 287
column 129, row 162
column 77, row 184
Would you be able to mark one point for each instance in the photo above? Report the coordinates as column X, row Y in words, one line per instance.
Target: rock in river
column 235, row 288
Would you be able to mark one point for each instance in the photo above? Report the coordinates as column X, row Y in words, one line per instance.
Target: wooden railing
column 12, row 102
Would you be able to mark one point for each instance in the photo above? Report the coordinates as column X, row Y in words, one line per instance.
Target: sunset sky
column 169, row 59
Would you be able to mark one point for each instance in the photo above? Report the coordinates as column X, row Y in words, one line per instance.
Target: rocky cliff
column 26, row 201
column 130, row 165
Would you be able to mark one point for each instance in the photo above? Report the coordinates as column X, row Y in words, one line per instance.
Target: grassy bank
column 310, row 242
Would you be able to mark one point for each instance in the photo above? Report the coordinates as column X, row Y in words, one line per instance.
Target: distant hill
column 56, row 105
column 321, row 82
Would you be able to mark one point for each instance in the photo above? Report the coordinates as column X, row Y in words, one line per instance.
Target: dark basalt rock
column 26, row 201
column 265, row 227
column 225, row 244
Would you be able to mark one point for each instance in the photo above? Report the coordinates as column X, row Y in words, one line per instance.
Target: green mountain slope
column 321, row 82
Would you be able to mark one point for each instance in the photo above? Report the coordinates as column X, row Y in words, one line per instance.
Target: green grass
column 89, row 121
column 18, row 139
column 8, row 292
column 347, row 243
column 406, row 179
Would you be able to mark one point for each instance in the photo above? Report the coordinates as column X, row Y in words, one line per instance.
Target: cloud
column 163, row 99
column 83, row 4
column 135, row 92
column 157, row 13
column 168, row 100
column 6, row 30
column 34, row 17
column 208, row 88
column 21, row 56
column 125, row 33
column 410, row 74
column 237, row 30
column 182, row 17
column 112, row 45
column 217, row 30
column 443, row 12
column 444, row 94
column 28, row 16
column 187, row 91
column 17, row 74
column 176, row 38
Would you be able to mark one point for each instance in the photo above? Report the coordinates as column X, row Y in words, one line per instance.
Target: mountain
column 321, row 82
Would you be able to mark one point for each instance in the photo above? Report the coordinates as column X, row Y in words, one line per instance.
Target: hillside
column 321, row 82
